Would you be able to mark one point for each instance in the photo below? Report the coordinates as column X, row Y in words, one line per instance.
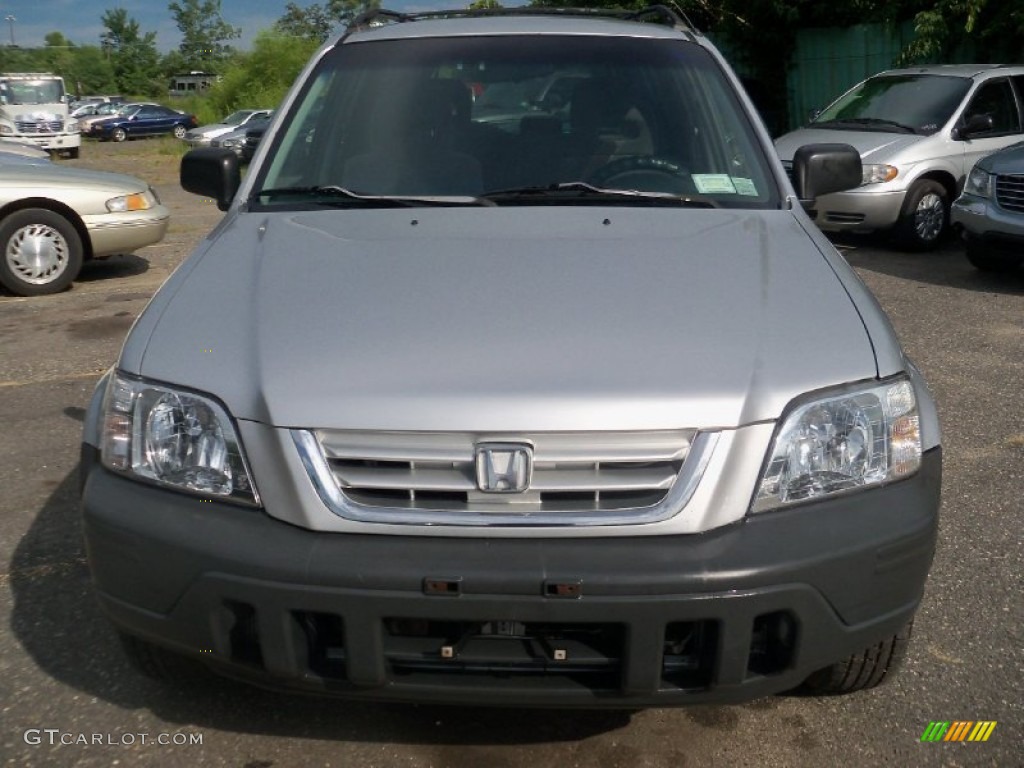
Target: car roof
column 387, row 25
column 956, row 70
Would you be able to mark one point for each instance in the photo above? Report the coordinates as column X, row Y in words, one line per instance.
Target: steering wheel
column 644, row 173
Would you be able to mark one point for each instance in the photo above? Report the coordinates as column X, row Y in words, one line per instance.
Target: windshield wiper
column 575, row 190
column 334, row 195
column 866, row 121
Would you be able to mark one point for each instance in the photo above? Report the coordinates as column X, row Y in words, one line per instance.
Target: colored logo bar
column 959, row 730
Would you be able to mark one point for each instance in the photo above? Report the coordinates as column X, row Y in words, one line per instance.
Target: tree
column 204, row 34
column 262, row 77
column 132, row 55
column 318, row 21
column 990, row 31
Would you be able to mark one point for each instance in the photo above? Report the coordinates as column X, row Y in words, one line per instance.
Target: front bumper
column 112, row 233
column 983, row 220
column 858, row 211
column 740, row 612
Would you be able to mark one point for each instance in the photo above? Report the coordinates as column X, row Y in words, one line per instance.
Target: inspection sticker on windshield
column 713, row 183
column 744, row 186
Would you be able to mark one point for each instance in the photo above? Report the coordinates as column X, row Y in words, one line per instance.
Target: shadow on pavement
column 58, row 622
column 108, row 268
column 946, row 266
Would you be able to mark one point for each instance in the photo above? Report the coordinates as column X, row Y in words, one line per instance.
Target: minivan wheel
column 987, row 261
column 40, row 252
column 925, row 215
column 158, row 663
column 861, row 670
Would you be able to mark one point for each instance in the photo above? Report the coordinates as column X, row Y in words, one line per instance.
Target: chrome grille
column 1010, row 192
column 430, row 477
column 38, row 126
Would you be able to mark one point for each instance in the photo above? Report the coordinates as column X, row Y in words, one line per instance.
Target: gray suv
column 919, row 132
column 582, row 411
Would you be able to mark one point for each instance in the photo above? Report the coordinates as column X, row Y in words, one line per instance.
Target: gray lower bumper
column 731, row 615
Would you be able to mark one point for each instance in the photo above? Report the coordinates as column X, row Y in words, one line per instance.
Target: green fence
column 827, row 62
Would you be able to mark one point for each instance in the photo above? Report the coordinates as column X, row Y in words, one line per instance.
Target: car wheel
column 861, row 670
column 179, row 131
column 158, row 663
column 987, row 261
column 119, row 134
column 42, row 252
column 925, row 215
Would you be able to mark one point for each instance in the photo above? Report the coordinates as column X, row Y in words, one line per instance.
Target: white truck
column 34, row 110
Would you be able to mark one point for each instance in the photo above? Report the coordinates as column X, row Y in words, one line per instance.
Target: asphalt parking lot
column 63, row 679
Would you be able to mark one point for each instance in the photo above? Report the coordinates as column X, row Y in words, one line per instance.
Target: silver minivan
column 919, row 132
column 575, row 409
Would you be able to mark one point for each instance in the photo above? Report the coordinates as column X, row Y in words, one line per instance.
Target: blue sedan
column 143, row 120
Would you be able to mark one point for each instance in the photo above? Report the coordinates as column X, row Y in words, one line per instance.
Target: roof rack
column 662, row 14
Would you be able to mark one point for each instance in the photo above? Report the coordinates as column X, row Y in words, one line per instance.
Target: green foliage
column 991, row 31
column 319, row 20
column 204, row 34
column 261, row 78
column 133, row 55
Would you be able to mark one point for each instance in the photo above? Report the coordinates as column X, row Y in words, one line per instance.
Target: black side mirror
column 974, row 125
column 211, row 172
column 821, row 169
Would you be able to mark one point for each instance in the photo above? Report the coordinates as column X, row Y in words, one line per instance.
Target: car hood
column 50, row 176
column 1009, row 160
column 874, row 146
column 504, row 319
column 213, row 129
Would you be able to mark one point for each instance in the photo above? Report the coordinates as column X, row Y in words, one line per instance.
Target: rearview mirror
column 975, row 125
column 821, row 169
column 211, row 172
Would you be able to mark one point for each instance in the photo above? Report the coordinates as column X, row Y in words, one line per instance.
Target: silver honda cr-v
column 556, row 402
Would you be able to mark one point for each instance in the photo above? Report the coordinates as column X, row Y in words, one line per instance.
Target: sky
column 79, row 20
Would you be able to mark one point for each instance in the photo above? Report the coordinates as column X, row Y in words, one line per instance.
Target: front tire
column 40, row 252
column 862, row 670
column 119, row 134
column 925, row 215
column 987, row 261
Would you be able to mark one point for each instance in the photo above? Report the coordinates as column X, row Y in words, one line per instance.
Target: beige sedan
column 52, row 218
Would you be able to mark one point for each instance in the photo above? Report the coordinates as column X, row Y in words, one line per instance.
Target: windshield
column 236, row 118
column 923, row 103
column 513, row 118
column 31, row 92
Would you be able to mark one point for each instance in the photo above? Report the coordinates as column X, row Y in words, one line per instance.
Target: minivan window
column 919, row 104
column 995, row 99
column 513, row 118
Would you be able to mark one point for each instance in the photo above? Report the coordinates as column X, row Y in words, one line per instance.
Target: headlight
column 174, row 438
column 6, row 129
column 876, row 174
column 841, row 442
column 229, row 142
column 140, row 201
column 979, row 183
column 71, row 126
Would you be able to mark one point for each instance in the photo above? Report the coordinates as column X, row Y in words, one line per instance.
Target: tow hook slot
column 448, row 587
column 571, row 590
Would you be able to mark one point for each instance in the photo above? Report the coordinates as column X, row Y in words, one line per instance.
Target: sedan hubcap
column 929, row 217
column 37, row 254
